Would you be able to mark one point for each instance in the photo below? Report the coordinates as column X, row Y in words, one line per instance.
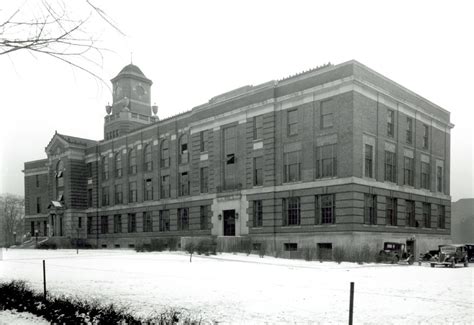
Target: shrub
column 174, row 243
column 206, row 246
column 63, row 310
column 338, row 254
column 47, row 245
column 246, row 245
column 158, row 245
column 262, row 250
column 309, row 253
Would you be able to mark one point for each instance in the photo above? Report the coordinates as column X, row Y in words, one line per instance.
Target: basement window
column 291, row 247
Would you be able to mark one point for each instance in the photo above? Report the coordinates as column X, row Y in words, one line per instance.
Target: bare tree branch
column 53, row 31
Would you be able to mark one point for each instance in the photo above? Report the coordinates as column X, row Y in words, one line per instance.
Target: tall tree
column 53, row 28
column 12, row 212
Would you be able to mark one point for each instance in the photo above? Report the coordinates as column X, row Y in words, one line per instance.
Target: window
column 104, row 224
column 292, row 167
column 391, row 211
column 291, row 211
column 132, row 161
column 117, row 223
column 118, row 194
column 204, row 175
column 441, row 216
column 105, row 196
column 390, row 123
column 408, row 174
column 370, row 209
column 148, row 189
column 60, row 174
column 89, row 198
column 230, row 147
column 390, row 167
column 89, row 225
column 165, row 186
column 147, row 222
column 148, row 159
column 292, row 123
column 37, row 180
column 257, row 213
column 410, row 213
column 409, row 134
column 89, row 170
column 164, row 220
column 132, row 222
column 165, row 154
column 132, row 194
column 427, row 215
column 105, row 168
column 258, row 127
column 183, row 149
column 38, row 204
column 290, row 247
column 258, row 171
column 183, row 219
column 369, row 166
column 327, row 112
column 425, row 175
column 203, row 140
column 325, row 209
column 204, row 211
column 426, row 135
column 326, row 161
column 439, row 178
column 118, row 165
column 79, row 223
column 183, row 184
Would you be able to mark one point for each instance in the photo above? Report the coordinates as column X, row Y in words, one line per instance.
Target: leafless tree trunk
column 55, row 29
column 12, row 212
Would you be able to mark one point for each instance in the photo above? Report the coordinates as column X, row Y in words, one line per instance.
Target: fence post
column 351, row 303
column 44, row 280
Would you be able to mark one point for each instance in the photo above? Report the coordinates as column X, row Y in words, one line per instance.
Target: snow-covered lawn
column 11, row 317
column 237, row 288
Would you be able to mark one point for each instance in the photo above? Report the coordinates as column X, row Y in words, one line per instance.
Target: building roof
column 77, row 140
column 131, row 70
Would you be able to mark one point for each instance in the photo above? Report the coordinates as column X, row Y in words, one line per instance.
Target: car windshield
column 448, row 249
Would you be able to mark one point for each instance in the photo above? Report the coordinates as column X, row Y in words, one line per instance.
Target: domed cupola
column 131, row 102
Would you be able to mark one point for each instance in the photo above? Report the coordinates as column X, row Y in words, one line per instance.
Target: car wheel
column 453, row 263
column 432, row 264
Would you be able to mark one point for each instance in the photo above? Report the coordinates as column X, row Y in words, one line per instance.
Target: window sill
column 292, row 226
column 331, row 225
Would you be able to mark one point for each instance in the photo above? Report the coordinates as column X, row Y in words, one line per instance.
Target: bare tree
column 51, row 28
column 12, row 212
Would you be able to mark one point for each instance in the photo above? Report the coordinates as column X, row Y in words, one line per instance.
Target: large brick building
column 339, row 155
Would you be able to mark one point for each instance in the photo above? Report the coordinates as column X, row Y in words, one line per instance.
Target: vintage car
column 450, row 255
column 431, row 255
column 470, row 252
column 395, row 253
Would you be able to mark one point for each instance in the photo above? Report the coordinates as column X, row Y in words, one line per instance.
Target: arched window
column 132, row 161
column 183, row 149
column 59, row 174
column 105, row 168
column 165, row 154
column 148, row 158
column 60, row 181
column 118, row 164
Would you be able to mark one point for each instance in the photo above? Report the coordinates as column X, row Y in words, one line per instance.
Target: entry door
column 411, row 247
column 229, row 222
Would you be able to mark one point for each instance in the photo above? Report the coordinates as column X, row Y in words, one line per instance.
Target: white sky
column 195, row 50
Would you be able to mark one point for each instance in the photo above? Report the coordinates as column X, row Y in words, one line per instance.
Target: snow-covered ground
column 11, row 317
column 233, row 288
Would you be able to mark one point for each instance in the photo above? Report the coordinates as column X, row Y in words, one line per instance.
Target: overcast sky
column 195, row 50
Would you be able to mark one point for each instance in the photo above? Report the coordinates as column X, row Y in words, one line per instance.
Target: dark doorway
column 229, row 222
column 411, row 247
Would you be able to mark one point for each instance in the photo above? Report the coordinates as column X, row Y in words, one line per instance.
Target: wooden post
column 351, row 303
column 44, row 280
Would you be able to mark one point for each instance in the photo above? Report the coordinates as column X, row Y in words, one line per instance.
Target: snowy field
column 230, row 288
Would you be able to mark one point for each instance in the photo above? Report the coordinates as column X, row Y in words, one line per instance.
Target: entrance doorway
column 411, row 247
column 229, row 222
